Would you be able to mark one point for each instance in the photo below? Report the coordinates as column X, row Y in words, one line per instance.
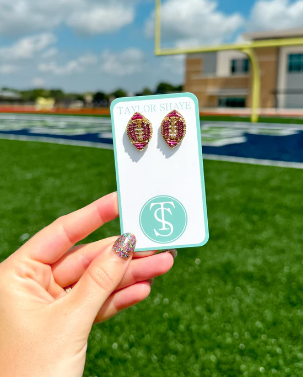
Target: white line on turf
column 78, row 143
column 254, row 161
column 242, row 160
column 55, row 118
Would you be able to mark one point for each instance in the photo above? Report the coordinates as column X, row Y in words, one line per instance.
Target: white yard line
column 246, row 125
column 253, row 161
column 242, row 160
column 78, row 143
column 55, row 118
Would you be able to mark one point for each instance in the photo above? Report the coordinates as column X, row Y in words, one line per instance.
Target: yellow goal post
column 246, row 47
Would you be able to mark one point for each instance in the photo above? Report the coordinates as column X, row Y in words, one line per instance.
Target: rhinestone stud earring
column 139, row 131
column 173, row 128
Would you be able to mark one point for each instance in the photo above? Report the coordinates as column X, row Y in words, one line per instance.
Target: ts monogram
column 162, row 209
column 163, row 219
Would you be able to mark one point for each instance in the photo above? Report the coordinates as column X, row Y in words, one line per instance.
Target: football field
column 273, row 142
column 231, row 308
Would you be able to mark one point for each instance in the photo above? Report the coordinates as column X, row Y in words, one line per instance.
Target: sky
column 91, row 45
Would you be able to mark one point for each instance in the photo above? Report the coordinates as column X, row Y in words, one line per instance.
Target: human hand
column 43, row 329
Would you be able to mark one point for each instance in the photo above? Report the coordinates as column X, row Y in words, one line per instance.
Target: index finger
column 55, row 240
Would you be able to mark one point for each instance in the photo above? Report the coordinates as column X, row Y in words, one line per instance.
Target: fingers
column 52, row 242
column 144, row 254
column 147, row 268
column 100, row 279
column 69, row 268
column 139, row 270
column 123, row 299
column 72, row 265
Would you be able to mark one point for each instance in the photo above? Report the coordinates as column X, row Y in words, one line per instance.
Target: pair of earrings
column 140, row 131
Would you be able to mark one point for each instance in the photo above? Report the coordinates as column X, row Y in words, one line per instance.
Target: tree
column 57, row 94
column 32, row 95
column 164, row 88
column 179, row 88
column 100, row 99
column 146, row 92
column 119, row 93
column 100, row 96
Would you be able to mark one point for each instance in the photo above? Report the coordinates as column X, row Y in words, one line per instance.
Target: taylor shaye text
column 152, row 108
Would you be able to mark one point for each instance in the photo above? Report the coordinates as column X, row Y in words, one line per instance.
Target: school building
column 223, row 79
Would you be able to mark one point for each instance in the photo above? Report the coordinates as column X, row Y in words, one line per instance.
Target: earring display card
column 161, row 190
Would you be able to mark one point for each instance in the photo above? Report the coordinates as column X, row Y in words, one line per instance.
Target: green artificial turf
column 232, row 308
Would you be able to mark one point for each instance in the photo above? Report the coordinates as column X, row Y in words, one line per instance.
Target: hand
column 43, row 329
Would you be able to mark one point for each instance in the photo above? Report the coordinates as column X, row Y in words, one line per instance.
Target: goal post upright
column 246, row 47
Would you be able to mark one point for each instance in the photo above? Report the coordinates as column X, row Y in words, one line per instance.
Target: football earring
column 173, row 128
column 139, row 131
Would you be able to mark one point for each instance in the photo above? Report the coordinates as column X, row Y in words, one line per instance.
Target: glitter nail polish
column 125, row 245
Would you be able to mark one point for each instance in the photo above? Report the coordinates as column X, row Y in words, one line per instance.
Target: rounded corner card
column 160, row 177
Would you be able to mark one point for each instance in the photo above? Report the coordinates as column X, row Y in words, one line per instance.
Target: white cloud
column 84, row 16
column 8, row 69
column 50, row 53
column 69, row 68
column 100, row 20
column 74, row 66
column 21, row 16
column 26, row 47
column 38, row 82
column 276, row 14
column 122, row 63
column 195, row 22
column 88, row 59
column 174, row 64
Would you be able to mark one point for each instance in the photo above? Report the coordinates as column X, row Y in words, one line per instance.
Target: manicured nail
column 125, row 245
column 173, row 252
column 151, row 281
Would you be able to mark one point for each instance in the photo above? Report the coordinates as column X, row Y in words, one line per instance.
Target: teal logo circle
column 163, row 219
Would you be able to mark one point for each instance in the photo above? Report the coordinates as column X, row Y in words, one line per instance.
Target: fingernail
column 151, row 281
column 173, row 252
column 125, row 245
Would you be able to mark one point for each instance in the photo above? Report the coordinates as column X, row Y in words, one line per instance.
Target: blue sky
column 90, row 45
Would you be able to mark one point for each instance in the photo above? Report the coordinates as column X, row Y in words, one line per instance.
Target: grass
column 232, row 308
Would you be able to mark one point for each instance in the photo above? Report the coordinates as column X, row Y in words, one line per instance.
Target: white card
column 161, row 190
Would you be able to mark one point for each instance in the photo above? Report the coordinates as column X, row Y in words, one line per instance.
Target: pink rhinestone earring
column 173, row 128
column 139, row 131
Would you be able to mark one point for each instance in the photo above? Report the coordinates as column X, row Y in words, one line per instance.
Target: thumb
column 101, row 278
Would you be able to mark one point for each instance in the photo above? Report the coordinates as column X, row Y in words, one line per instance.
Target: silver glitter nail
column 125, row 245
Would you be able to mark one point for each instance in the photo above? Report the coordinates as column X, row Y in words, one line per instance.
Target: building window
column 295, row 63
column 239, row 66
column 231, row 102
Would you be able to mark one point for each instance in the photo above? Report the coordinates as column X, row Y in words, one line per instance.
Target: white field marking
column 242, row 160
column 247, row 125
column 222, row 142
column 65, row 131
column 254, row 161
column 106, row 135
column 56, row 118
column 216, row 134
column 272, row 132
column 50, row 140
